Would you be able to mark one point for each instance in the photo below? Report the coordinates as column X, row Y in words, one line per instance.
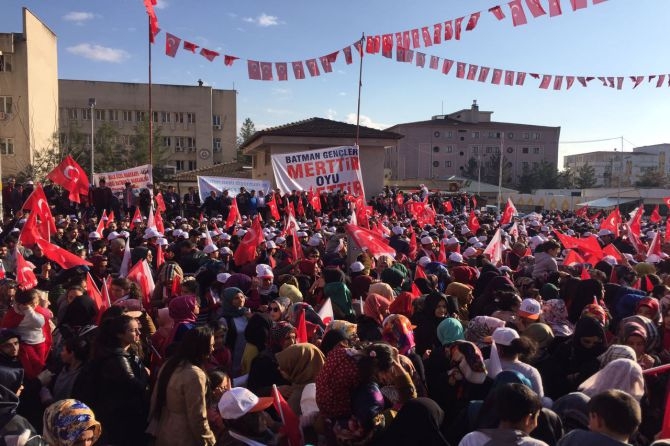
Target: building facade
column 28, row 94
column 468, row 139
column 197, row 123
column 614, row 169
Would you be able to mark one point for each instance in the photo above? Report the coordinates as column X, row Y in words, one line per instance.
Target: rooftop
column 232, row 169
column 448, row 121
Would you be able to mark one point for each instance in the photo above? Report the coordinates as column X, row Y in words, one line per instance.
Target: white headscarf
column 622, row 374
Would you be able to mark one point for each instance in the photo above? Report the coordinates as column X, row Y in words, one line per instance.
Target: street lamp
column 91, row 104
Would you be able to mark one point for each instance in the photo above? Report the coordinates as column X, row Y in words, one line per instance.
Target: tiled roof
column 322, row 127
column 447, row 121
column 232, row 169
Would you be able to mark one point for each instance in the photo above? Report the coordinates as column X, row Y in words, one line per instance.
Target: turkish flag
column 578, row 4
column 442, row 255
column 64, row 258
column 399, row 199
column 457, row 27
column 655, row 246
column 546, row 80
column 290, row 421
column 509, row 77
column 282, row 71
column 635, row 222
column 233, row 214
column 437, row 33
column 474, row 202
column 427, row 41
column 611, row 250
column 359, row 47
column 153, row 20
column 137, row 218
column 228, row 60
column 160, row 257
column 473, row 222
column 448, row 207
column 448, row 30
column 510, row 212
column 274, row 211
column 367, row 239
column 413, row 245
column 472, row 22
column 569, row 80
column 254, row 69
column 172, row 44
column 420, row 59
column 494, row 249
column 326, row 312
column 37, row 203
column 483, row 74
column 497, row 12
column 518, row 15
column 208, row 54
column 140, row 273
column 637, row 80
column 497, row 76
column 160, row 203
column 95, row 294
column 555, row 8
column 472, row 72
column 347, row 55
column 300, row 210
column 636, row 242
column 246, row 251
column 520, row 78
column 434, row 62
column 266, row 71
column 535, row 8
column 572, row 257
column 460, row 70
column 188, row 46
column 416, row 43
column 160, row 227
column 312, row 67
column 71, row 177
column 314, row 200
column 101, row 226
column 655, row 215
column 612, row 222
column 29, row 233
column 558, row 81
column 25, row 276
column 667, row 229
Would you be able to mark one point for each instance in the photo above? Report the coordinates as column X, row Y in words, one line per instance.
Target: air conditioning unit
column 217, row 127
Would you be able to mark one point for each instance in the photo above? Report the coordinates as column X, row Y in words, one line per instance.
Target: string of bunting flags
column 405, row 41
column 406, row 44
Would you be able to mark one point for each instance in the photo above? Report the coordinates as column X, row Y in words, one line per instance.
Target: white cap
column 301, row 234
column 223, row 277
column 239, row 401
column 314, row 241
column 151, row 233
column 241, row 232
column 423, row 261
column 452, row 241
column 473, row 240
column 504, row 336
column 653, row 258
column 469, row 252
column 465, row 229
column 426, row 240
column 544, row 229
column 479, row 245
column 94, row 236
column 483, row 238
column 162, row 241
column 530, row 308
column 112, row 235
column 124, row 234
column 610, row 259
column 226, row 251
column 280, row 240
column 270, row 244
column 225, row 236
column 357, row 267
column 203, row 235
column 455, row 257
column 398, row 230
column 210, row 249
column 604, row 232
column 448, row 233
column 263, row 270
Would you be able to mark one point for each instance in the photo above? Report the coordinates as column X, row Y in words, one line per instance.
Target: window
column 179, row 164
column 100, row 115
column 510, row 135
column 524, row 165
column 155, row 116
column 127, row 115
column 536, row 165
column 192, row 165
column 191, row 118
column 125, row 140
column 493, row 135
column 165, row 116
column 179, row 143
column 525, row 135
column 436, row 149
column 179, row 117
column 450, row 134
column 6, row 146
column 475, row 135
column 450, row 149
column 113, row 115
column 537, row 135
column 447, row 163
column 216, row 120
column 475, row 150
column 72, row 113
column 140, row 116
column 436, row 164
column 524, row 150
column 489, row 150
column 5, row 104
column 536, row 150
column 216, row 144
column 167, row 141
column 190, row 142
column 5, row 62
column 85, row 114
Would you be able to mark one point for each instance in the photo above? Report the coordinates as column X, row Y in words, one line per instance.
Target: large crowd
column 314, row 340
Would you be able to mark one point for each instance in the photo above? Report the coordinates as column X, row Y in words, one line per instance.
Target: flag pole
column 151, row 117
column 360, row 86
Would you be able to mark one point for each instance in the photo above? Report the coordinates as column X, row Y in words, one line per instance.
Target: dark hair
column 79, row 347
column 515, row 401
column 194, row 349
column 189, row 286
column 523, row 346
column 25, row 297
column 216, row 377
column 507, row 300
column 110, row 329
column 122, row 282
column 619, row 411
column 247, row 425
column 546, row 246
column 377, row 357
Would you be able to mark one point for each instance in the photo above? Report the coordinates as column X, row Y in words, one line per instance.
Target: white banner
column 330, row 169
column 138, row 176
column 218, row 184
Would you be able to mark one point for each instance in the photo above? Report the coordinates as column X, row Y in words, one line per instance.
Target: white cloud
column 161, row 4
column 263, row 20
column 78, row 17
column 331, row 114
column 342, row 93
column 99, row 53
column 366, row 121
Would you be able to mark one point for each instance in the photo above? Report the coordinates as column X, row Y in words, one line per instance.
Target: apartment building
column 614, row 168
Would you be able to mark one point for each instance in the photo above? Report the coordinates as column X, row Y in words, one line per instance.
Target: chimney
column 474, row 112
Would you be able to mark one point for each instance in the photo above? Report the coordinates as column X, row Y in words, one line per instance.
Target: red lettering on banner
column 320, row 167
column 295, row 171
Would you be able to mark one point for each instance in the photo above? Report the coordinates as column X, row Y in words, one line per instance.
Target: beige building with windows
column 614, row 169
column 197, row 123
column 445, row 145
column 28, row 94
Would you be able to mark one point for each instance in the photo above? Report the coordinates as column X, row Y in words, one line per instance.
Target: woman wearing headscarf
column 338, row 292
column 280, row 309
column 419, row 422
column 183, row 311
column 636, row 336
column 397, row 331
column 236, row 316
column 299, row 364
column 484, row 304
column 622, row 374
column 369, row 325
column 339, row 333
column 383, row 289
column 70, row 423
column 256, row 336
column 555, row 314
column 576, row 360
column 264, row 370
column 403, row 304
column 479, row 331
column 464, row 295
column 589, row 291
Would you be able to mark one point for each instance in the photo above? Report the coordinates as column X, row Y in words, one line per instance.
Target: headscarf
column 573, row 410
column 66, row 420
column 375, row 307
column 403, row 304
column 418, row 422
column 340, row 296
column 331, row 339
column 617, row 351
column 587, row 327
column 549, row 291
column 627, row 305
column 182, row 309
column 301, row 362
column 239, row 280
column 555, row 314
column 278, row 333
column 450, row 330
column 467, row 357
column 481, row 328
column 397, row 331
column 393, row 277
column 80, row 312
column 348, row 328
column 462, row 292
column 257, row 330
column 430, row 305
column 383, row 289
column 228, row 309
column 652, row 304
column 284, row 304
column 291, row 292
column 540, row 333
column 652, row 337
column 139, row 253
column 597, row 312
column 622, row 374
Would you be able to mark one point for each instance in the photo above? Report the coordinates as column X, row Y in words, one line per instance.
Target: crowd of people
column 315, row 340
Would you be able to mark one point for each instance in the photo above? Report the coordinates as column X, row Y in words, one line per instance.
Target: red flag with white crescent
column 64, row 258
column 494, row 248
column 510, row 212
column 369, row 240
column 37, row 202
column 473, row 222
column 612, row 222
column 140, row 273
column 25, row 276
column 233, row 214
column 413, row 245
column 172, row 44
column 655, row 215
column 326, row 312
column 572, row 257
column 246, row 250
column 71, row 177
column 274, row 211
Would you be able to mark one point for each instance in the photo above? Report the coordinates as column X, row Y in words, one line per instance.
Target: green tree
column 527, row 181
column 139, row 152
column 491, row 171
column 471, row 169
column 651, row 178
column 586, row 176
column 44, row 161
column 246, row 131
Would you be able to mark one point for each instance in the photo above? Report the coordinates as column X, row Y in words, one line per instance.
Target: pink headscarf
column 375, row 307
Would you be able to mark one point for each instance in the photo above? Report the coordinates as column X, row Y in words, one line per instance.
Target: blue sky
column 106, row 41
